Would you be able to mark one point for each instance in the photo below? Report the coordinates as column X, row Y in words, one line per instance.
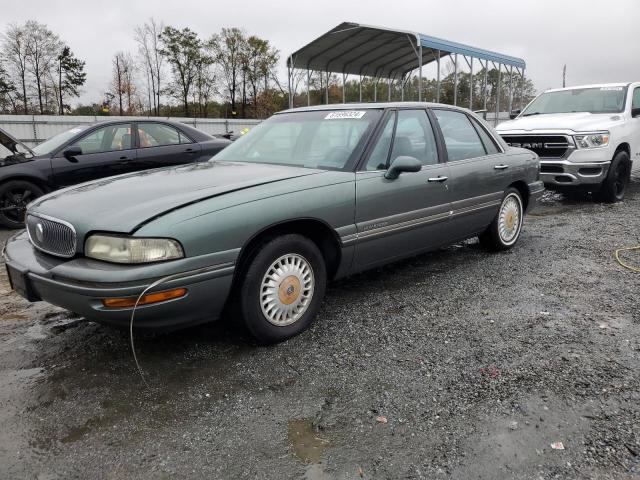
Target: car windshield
column 325, row 139
column 56, row 142
column 593, row 100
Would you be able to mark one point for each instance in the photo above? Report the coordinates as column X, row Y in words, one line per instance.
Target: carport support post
column 360, row 89
column 510, row 89
column 344, row 82
column 326, row 90
column 438, row 83
column 455, row 80
column 308, row 87
column 388, row 89
column 375, row 89
column 471, row 86
column 420, row 75
column 289, row 71
column 522, row 91
column 495, row 120
column 484, row 86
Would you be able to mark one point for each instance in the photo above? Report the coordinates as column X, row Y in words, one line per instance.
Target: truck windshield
column 593, row 100
column 324, row 139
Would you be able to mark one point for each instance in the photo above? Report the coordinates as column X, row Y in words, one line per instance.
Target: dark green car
column 308, row 196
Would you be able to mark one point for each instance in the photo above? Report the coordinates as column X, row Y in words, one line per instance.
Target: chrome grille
column 51, row 235
column 545, row 146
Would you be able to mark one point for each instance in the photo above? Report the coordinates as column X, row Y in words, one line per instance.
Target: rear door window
column 158, row 135
column 461, row 139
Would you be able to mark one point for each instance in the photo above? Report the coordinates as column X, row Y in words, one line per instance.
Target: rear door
column 478, row 168
column 106, row 151
column 396, row 218
column 162, row 145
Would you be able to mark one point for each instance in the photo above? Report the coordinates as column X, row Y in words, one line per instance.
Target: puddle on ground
column 308, row 447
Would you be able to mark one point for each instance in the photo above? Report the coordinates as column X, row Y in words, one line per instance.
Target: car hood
column 576, row 122
column 18, row 155
column 125, row 202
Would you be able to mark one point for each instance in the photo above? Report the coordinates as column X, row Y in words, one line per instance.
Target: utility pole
column 564, row 75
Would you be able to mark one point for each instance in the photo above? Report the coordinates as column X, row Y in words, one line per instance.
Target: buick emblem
column 39, row 232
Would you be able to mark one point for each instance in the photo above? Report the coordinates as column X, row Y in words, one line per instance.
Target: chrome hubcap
column 510, row 219
column 286, row 289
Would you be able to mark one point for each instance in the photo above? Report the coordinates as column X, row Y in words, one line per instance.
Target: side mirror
column 635, row 112
column 402, row 164
column 514, row 113
column 72, row 152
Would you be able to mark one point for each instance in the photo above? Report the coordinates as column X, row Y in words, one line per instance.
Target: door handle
column 191, row 151
column 439, row 178
column 500, row 167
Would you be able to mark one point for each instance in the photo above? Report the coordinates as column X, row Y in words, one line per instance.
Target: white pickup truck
column 587, row 137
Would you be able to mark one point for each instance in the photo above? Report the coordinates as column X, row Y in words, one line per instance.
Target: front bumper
column 207, row 288
column 566, row 173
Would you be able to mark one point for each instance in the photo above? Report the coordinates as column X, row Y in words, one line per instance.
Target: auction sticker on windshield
column 345, row 114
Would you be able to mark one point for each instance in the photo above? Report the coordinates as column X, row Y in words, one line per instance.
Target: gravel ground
column 455, row 364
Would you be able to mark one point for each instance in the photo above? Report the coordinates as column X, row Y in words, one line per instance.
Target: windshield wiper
column 529, row 114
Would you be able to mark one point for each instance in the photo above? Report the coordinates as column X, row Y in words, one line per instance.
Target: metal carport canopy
column 357, row 49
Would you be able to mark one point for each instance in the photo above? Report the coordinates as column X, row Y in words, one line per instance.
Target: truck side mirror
column 635, row 112
column 514, row 113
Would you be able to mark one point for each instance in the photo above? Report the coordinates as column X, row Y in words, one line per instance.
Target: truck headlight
column 121, row 249
column 592, row 140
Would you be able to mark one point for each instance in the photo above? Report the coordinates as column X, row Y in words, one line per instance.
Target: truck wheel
column 283, row 288
column 14, row 197
column 614, row 186
column 504, row 231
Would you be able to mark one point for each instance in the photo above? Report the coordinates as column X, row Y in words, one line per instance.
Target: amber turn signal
column 130, row 302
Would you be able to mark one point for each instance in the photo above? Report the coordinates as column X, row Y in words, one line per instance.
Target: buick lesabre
column 308, row 196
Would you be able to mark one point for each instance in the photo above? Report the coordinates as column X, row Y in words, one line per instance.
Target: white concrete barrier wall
column 34, row 129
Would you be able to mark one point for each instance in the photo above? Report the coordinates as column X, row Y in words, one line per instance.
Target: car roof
column 370, row 106
column 197, row 134
column 595, row 85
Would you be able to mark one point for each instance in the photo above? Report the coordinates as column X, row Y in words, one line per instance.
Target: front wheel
column 614, row 186
column 283, row 288
column 504, row 231
column 14, row 197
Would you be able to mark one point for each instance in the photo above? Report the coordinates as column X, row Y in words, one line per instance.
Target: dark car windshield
column 324, row 139
column 56, row 142
column 593, row 100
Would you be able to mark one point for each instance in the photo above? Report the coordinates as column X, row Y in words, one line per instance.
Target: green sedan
column 308, row 196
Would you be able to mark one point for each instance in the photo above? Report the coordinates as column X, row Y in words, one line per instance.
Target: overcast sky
column 597, row 40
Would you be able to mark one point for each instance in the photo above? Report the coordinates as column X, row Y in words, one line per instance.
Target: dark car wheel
column 282, row 289
column 504, row 231
column 614, row 186
column 14, row 197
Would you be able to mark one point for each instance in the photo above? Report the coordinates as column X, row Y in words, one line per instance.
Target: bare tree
column 227, row 50
column 147, row 36
column 122, row 82
column 43, row 47
column 14, row 53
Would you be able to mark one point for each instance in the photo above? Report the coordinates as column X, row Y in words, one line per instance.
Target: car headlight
column 592, row 140
column 120, row 249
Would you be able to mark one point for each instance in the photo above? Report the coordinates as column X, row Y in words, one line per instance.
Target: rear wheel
column 14, row 197
column 282, row 288
column 504, row 231
column 614, row 186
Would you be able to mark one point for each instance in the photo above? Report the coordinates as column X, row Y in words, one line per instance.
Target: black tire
column 492, row 238
column 252, row 292
column 614, row 186
column 14, row 197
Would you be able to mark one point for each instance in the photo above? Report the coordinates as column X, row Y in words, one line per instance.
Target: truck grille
column 545, row 146
column 52, row 236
